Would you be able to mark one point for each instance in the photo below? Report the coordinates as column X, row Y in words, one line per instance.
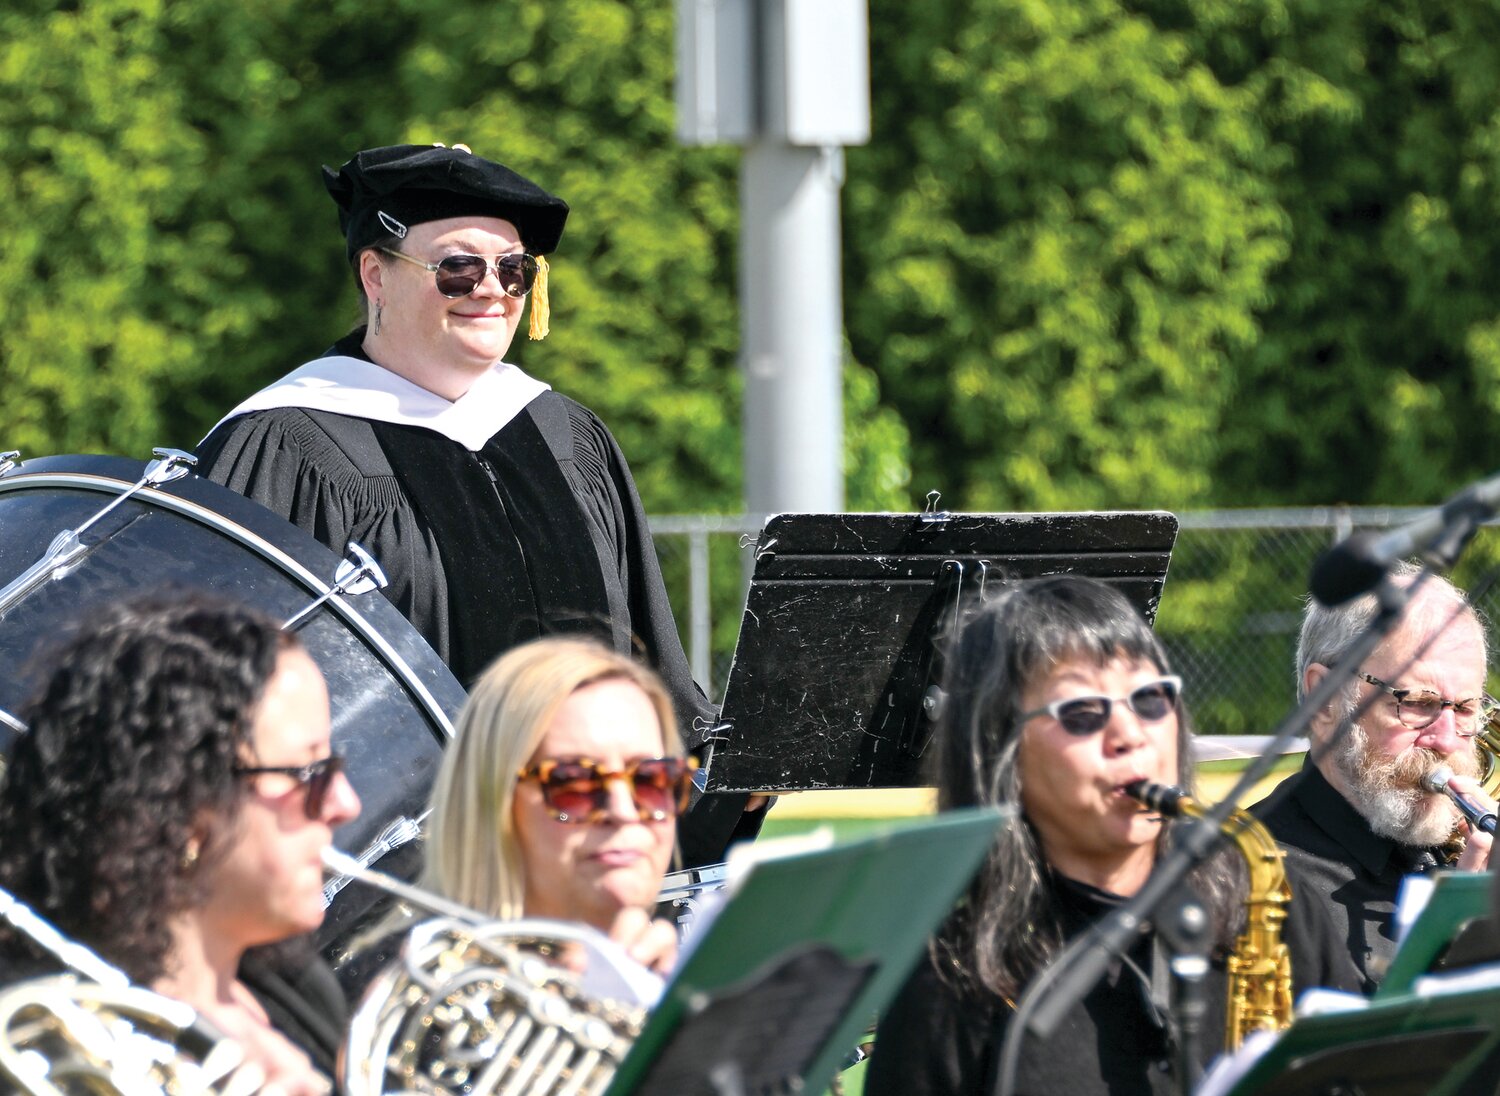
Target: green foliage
column 1058, row 242
column 1098, row 253
column 172, row 248
column 1379, row 338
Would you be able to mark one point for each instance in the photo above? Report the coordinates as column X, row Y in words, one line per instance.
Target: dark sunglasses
column 576, row 789
column 317, row 778
column 460, row 275
column 1082, row 715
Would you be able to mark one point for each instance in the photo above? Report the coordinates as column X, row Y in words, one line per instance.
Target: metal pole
column 792, row 327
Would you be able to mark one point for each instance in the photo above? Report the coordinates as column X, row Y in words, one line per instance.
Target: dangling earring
column 378, row 308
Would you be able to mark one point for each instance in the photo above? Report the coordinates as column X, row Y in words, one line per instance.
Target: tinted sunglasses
column 317, row 778
column 460, row 275
column 1419, row 709
column 576, row 789
column 1081, row 715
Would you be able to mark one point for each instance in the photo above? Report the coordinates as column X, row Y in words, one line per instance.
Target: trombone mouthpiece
column 1437, row 780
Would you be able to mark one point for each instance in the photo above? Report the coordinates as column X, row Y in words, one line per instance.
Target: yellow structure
column 1215, row 779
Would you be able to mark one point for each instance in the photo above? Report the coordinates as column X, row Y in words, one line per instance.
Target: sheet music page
column 741, row 862
column 1416, row 892
column 1433, row 985
column 1228, row 1069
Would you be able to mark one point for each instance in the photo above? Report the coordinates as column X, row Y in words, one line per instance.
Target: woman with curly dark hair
column 170, row 804
column 1058, row 696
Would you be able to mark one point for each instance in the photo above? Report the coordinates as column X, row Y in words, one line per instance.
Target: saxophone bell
column 1487, row 746
column 1487, row 751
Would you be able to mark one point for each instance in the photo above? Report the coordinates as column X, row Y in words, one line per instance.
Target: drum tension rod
column 399, row 831
column 357, row 573
column 67, row 546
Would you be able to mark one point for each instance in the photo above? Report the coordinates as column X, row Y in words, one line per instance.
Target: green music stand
column 1459, row 899
column 1428, row 1045
column 791, row 971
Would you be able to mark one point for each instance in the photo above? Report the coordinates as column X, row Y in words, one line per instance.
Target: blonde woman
column 559, row 796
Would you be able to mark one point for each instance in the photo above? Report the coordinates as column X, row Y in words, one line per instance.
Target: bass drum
column 393, row 700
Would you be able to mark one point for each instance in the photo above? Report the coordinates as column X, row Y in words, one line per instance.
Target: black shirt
column 937, row 1040
column 1344, row 879
column 302, row 999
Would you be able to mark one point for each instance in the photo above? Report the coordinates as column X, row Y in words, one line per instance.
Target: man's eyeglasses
column 317, row 778
column 460, row 275
column 1083, row 715
column 1420, row 709
column 576, row 789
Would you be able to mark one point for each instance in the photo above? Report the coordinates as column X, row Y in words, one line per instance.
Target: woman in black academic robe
column 500, row 510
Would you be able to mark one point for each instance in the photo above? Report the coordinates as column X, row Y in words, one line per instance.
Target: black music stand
column 833, row 680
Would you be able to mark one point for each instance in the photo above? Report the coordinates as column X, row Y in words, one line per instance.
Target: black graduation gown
column 540, row 532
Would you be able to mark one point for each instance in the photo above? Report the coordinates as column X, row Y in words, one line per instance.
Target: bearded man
column 1356, row 820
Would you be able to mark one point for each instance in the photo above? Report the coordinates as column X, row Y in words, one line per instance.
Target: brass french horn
column 480, row 1007
column 90, row 1032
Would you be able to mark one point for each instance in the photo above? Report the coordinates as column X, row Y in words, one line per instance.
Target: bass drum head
column 392, row 698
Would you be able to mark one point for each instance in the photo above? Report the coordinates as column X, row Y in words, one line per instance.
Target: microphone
column 1358, row 562
column 1478, row 816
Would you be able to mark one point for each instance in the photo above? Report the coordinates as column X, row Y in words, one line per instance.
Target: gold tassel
column 541, row 307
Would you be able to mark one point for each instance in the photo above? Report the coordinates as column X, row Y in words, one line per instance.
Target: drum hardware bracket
column 68, row 546
column 684, row 892
column 357, row 573
column 398, row 832
column 8, row 460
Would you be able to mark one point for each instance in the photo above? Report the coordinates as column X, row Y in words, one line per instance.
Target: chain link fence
column 1229, row 612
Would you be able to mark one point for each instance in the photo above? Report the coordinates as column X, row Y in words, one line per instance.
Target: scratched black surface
column 391, row 745
column 835, row 651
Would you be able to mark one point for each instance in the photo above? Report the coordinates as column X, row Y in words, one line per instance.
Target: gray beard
column 1388, row 790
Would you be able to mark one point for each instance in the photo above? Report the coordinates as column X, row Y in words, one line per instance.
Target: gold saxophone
column 1487, row 749
column 1260, row 968
column 1487, row 745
